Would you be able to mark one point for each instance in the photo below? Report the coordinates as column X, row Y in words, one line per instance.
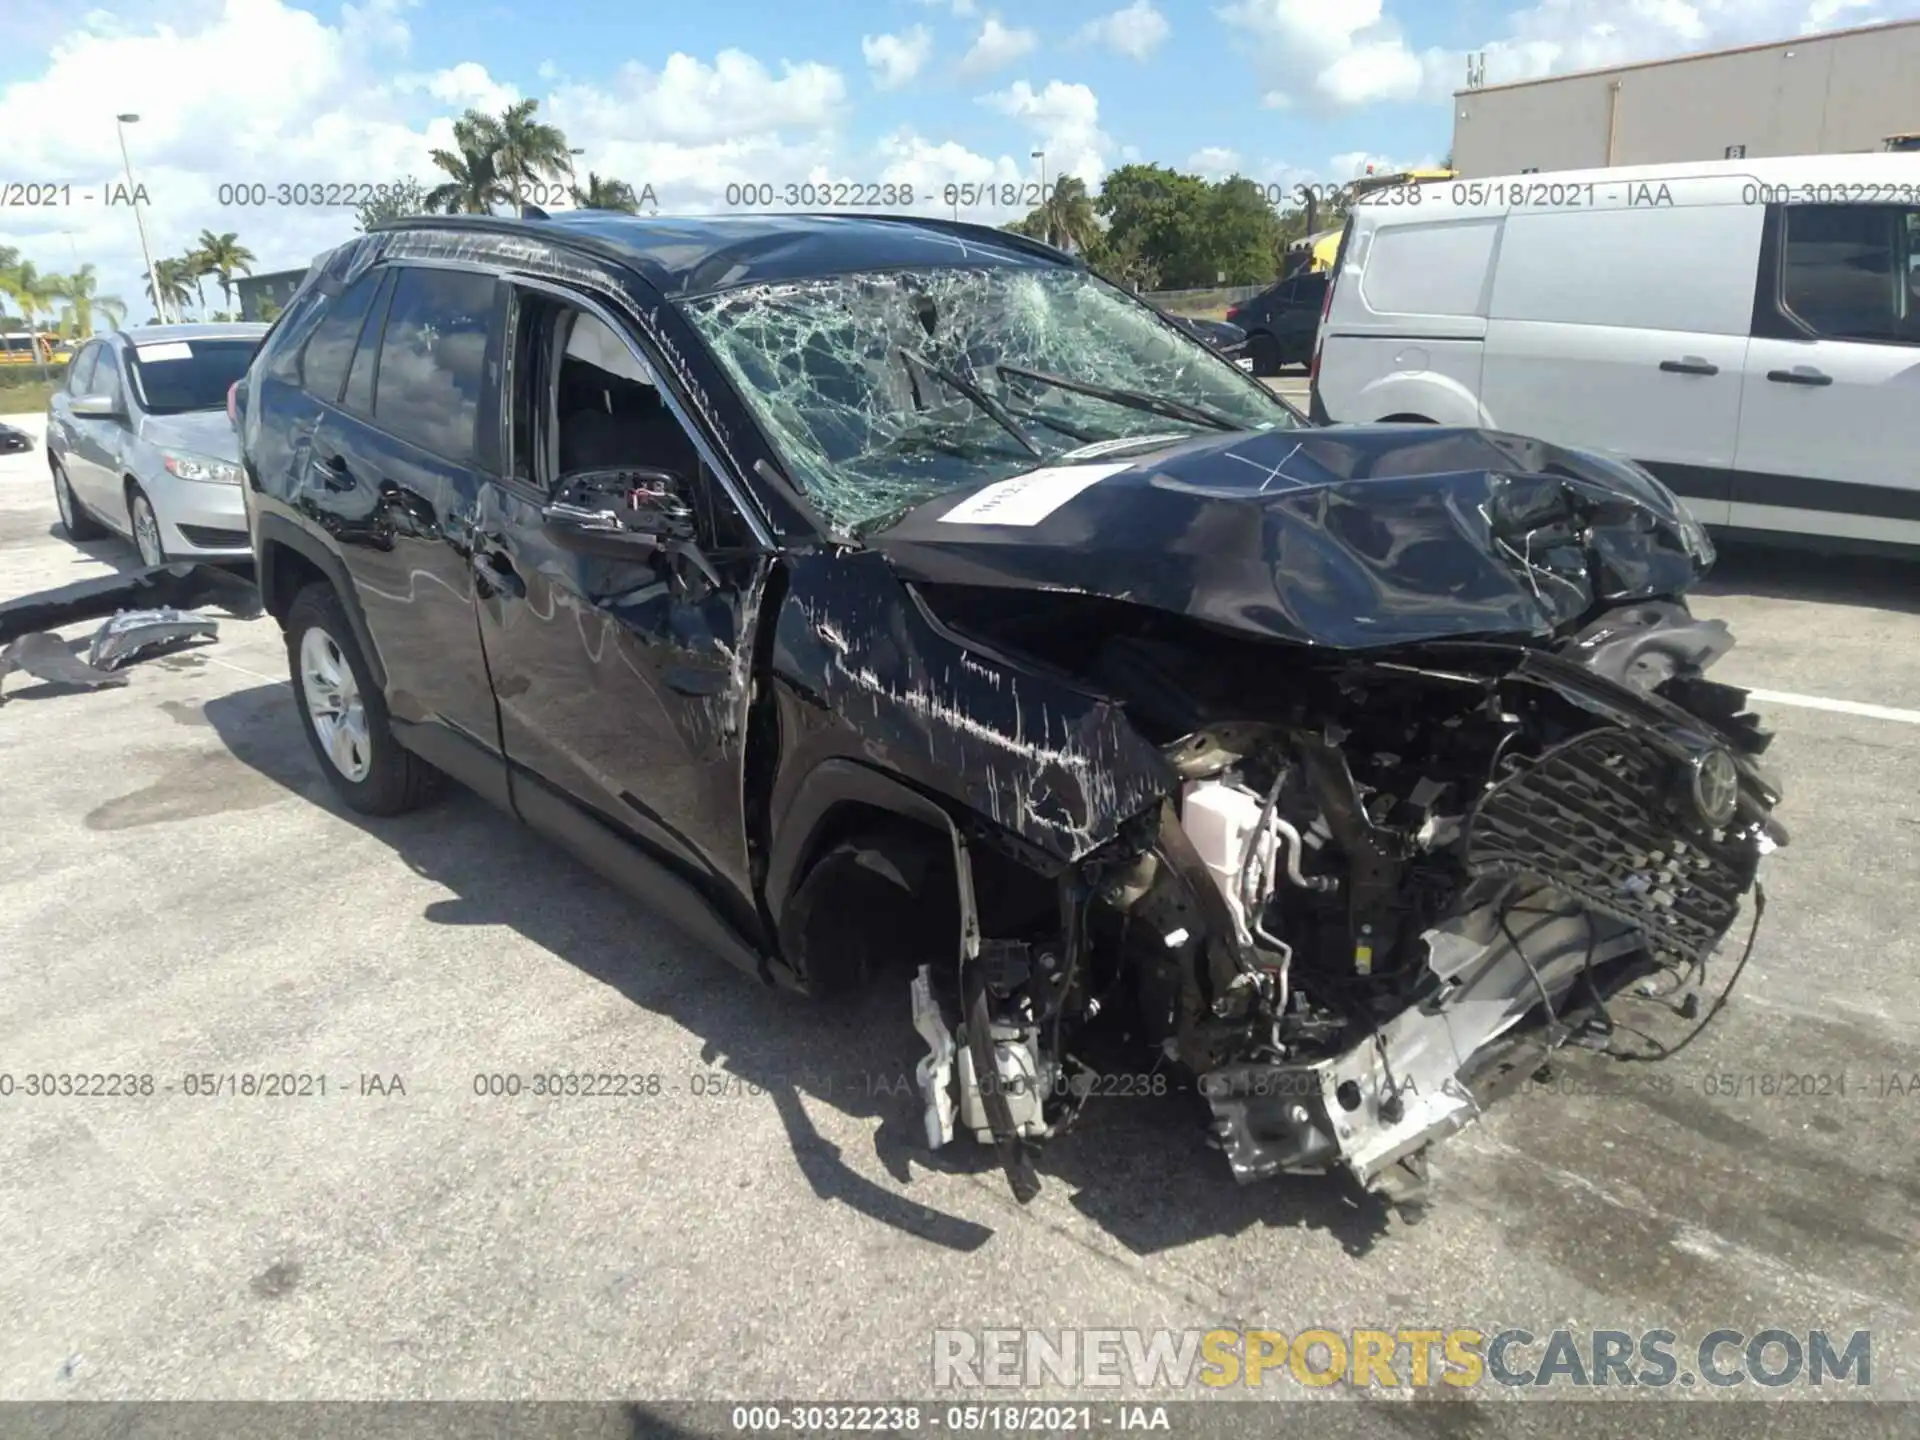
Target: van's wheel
column 146, row 527
column 344, row 714
column 74, row 517
column 1265, row 352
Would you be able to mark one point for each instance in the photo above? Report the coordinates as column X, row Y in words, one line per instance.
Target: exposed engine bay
column 1388, row 886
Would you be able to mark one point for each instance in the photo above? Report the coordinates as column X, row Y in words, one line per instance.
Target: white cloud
column 464, row 86
column 1215, row 162
column 896, row 59
column 690, row 102
column 996, row 47
column 1064, row 121
column 1350, row 53
column 1136, row 31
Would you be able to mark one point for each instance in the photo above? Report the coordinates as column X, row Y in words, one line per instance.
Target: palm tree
column 605, row 193
column 1067, row 216
column 79, row 291
column 34, row 293
column 9, row 259
column 168, row 285
column 525, row 149
column 224, row 256
column 473, row 186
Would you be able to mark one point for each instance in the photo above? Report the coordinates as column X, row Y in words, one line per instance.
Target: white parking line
column 1839, row 707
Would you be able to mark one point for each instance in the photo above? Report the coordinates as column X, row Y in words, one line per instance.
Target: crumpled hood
column 1347, row 536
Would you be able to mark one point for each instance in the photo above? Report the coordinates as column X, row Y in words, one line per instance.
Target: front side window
column 80, row 373
column 884, row 389
column 433, row 359
column 106, row 377
column 175, row 377
column 1848, row 272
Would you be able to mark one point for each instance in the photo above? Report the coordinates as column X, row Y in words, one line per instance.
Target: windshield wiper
column 1132, row 399
column 978, row 396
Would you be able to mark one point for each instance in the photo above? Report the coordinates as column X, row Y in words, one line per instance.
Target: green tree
column 35, row 294
column 9, row 259
column 522, row 148
column 1239, row 234
column 473, row 185
column 605, row 193
column 1157, row 216
column 81, row 292
column 223, row 256
column 400, row 199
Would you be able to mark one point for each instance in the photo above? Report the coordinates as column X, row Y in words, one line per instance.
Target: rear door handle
column 1689, row 365
column 1800, row 375
column 334, row 474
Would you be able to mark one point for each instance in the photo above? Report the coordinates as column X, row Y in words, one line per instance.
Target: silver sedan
column 140, row 445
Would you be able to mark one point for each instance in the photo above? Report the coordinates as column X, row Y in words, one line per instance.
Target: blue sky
column 694, row 97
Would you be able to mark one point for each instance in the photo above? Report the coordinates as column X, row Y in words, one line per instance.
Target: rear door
column 406, row 371
column 99, row 443
column 1299, row 318
column 1831, row 422
column 621, row 679
column 1625, row 330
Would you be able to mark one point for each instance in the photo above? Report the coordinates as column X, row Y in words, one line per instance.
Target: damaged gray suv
column 896, row 601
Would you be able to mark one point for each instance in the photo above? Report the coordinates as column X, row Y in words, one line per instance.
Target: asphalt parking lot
column 180, row 896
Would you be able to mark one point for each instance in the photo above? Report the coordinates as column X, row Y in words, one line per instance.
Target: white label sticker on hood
column 1028, row 499
column 166, row 350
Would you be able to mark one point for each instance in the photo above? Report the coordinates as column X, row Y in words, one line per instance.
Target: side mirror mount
column 96, row 407
column 621, row 513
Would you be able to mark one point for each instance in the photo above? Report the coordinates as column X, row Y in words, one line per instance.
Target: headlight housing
column 189, row 466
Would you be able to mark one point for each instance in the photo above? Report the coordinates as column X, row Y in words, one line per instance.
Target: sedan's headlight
column 189, row 466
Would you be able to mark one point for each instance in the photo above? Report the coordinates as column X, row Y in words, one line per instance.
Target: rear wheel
column 1265, row 353
column 146, row 527
column 344, row 714
column 74, row 518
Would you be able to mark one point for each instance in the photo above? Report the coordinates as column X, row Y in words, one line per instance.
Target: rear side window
column 1688, row 268
column 1429, row 269
column 80, row 373
column 1311, row 290
column 1848, row 272
column 329, row 350
column 358, row 395
column 433, row 359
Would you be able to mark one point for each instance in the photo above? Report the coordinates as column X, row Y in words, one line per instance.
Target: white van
column 1749, row 330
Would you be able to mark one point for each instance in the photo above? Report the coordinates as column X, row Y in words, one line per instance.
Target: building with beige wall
column 1847, row 90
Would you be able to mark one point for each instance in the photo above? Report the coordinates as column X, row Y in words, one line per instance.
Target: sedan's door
column 622, row 672
column 99, row 443
column 63, row 429
column 1831, row 421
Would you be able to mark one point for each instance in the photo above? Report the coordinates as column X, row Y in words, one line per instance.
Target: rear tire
column 344, row 714
column 75, row 518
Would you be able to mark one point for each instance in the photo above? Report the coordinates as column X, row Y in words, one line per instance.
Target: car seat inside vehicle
column 609, row 409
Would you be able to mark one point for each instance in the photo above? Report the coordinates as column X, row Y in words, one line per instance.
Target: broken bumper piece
column 1425, row 1074
column 176, row 587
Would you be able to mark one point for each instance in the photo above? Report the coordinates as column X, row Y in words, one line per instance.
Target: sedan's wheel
column 74, row 518
column 345, row 716
column 146, row 528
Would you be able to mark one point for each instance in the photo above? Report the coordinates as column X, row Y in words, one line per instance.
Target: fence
column 1205, row 302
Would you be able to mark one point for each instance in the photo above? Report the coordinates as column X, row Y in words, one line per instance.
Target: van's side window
column 1848, row 272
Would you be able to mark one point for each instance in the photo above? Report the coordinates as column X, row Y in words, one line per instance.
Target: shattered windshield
column 883, row 390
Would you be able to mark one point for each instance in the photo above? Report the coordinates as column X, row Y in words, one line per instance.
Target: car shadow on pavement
column 1776, row 572
column 1137, row 1167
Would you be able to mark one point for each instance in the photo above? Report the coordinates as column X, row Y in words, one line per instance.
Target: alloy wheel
column 146, row 532
column 335, row 708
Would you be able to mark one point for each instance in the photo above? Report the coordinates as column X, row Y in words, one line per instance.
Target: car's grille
column 1598, row 818
column 208, row 538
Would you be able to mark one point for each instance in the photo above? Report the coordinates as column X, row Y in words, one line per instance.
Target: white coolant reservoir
column 1218, row 818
